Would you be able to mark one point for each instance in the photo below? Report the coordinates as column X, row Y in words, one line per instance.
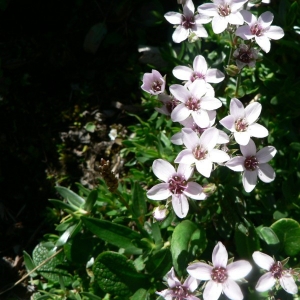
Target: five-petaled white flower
column 177, row 290
column 195, row 100
column 200, row 71
column 242, row 121
column 259, row 29
column 221, row 276
column 200, row 151
column 253, row 164
column 168, row 104
column 153, row 83
column 175, row 184
column 275, row 273
column 187, row 23
column 224, row 12
column 245, row 55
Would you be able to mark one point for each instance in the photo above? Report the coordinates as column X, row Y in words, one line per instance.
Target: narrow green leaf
column 139, row 206
column 62, row 205
column 68, row 233
column 70, row 196
column 91, row 296
column 140, row 294
column 91, row 200
column 29, row 264
column 270, row 238
column 160, row 263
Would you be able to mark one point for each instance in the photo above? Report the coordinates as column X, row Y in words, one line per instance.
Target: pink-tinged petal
column 185, row 157
column 194, row 191
column 223, row 138
column 200, row 271
column 209, row 138
column 252, row 112
column 274, row 33
column 265, row 282
column 244, row 32
column 163, row 110
column 180, row 205
column 212, row 290
column 208, row 9
column 249, row 180
column 182, row 73
column 189, row 8
column 198, row 88
column 258, row 130
column 192, row 297
column 265, row 154
column 235, row 19
column 214, row 76
column 266, row 173
column 166, row 294
column 242, row 138
column 177, row 138
column 239, row 269
column 200, row 31
column 191, row 283
column 237, row 108
column 228, row 122
column 288, row 284
column 220, row 256
column 204, row 167
column 210, row 103
column 237, row 5
column 218, row 156
column 185, row 170
column 249, row 149
column 180, row 92
column 172, row 280
column 263, row 260
column 199, row 64
column 248, row 17
column 163, row 169
column 174, row 18
column 190, row 138
column 263, row 42
column 180, row 113
column 180, row 34
column 201, row 118
column 159, row 192
column 219, row 24
column 265, row 19
column 232, row 290
column 236, row 164
column 202, row 19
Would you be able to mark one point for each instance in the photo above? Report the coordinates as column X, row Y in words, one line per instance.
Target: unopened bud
column 160, row 213
column 110, row 178
column 232, row 70
column 209, row 189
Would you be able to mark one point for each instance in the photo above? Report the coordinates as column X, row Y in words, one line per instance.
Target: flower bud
column 160, row 213
column 209, row 189
column 232, row 70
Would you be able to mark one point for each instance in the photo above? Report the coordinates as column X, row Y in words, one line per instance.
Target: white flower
column 187, row 23
column 242, row 121
column 177, row 290
column 160, row 213
column 194, row 103
column 221, row 276
column 253, row 164
column 200, row 151
column 153, row 83
column 224, row 12
column 169, row 103
column 245, row 56
column 175, row 184
column 200, row 71
column 260, row 29
column 275, row 273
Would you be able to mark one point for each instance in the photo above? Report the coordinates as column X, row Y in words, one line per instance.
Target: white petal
column 265, row 19
column 228, row 122
column 200, row 31
column 248, row 17
column 209, row 138
column 166, row 294
column 180, row 113
column 210, row 103
column 218, row 156
column 163, row 169
column 173, row 17
column 190, row 138
column 180, row 92
column 194, row 191
column 239, row 269
column 242, row 138
column 274, row 33
column 180, row 34
column 265, row 282
column 236, row 5
column 220, row 256
column 185, row 157
column 200, row 270
column 180, row 205
column 265, row 154
column 237, row 109
column 266, row 173
column 182, row 73
column 159, row 192
column 288, row 284
column 236, row 164
column 191, row 283
column 201, row 118
column 199, row 64
column 249, row 180
column 223, row 138
column 252, row 112
column 185, row 170
column 172, row 280
column 249, row 149
column 244, row 32
column 204, row 167
column 232, row 290
column 177, row 138
column 258, row 130
column 208, row 9
column 212, row 291
column 189, row 8
column 219, row 24
column 202, row 19
column 214, row 76
column 263, row 260
column 198, row 88
column 235, row 19
column 263, row 42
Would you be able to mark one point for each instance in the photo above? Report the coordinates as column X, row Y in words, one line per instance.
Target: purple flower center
column 277, row 270
column 197, row 75
column 170, row 105
column 177, row 184
column 224, row 10
column 180, row 293
column 256, row 29
column 199, row 152
column 219, row 274
column 251, row 163
column 245, row 56
column 198, row 129
column 188, row 22
column 193, row 104
column 241, row 125
column 156, row 86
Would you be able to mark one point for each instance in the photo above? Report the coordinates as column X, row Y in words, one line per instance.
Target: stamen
column 219, row 274
column 251, row 163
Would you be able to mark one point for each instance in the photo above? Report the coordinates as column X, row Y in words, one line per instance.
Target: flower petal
column 182, row 72
column 265, row 282
column 265, row 154
column 274, row 33
column 180, row 34
column 159, row 192
column 249, row 180
column 263, row 260
column 258, row 130
column 236, row 164
column 177, row 138
column 252, row 112
column 249, row 149
column 237, row 109
column 210, row 103
column 228, row 122
column 242, row 138
column 199, row 64
column 214, row 76
column 219, row 24
column 235, row 19
column 174, row 18
column 180, row 205
column 220, row 256
column 266, row 173
column 263, row 42
column 185, row 157
column 194, row 191
column 265, row 19
column 190, row 138
column 163, row 169
column 244, row 32
column 172, row 280
column 185, row 170
column 180, row 92
column 248, row 17
column 204, row 167
column 239, row 269
column 209, row 138
column 232, row 290
column 208, row 9
column 288, row 284
column 180, row 113
column 212, row 290
column 191, row 283
column 218, row 156
column 200, row 270
column 201, row 118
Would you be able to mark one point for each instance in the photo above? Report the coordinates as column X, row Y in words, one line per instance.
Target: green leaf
column 114, row 234
column 140, row 294
column 91, row 200
column 288, row 232
column 62, row 205
column 187, row 241
column 91, row 296
column 139, row 207
column 70, row 196
column 160, row 263
column 29, row 264
column 270, row 238
column 68, row 233
column 90, row 127
column 116, row 275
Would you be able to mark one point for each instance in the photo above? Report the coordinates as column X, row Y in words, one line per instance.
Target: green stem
column 231, row 49
column 238, row 82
